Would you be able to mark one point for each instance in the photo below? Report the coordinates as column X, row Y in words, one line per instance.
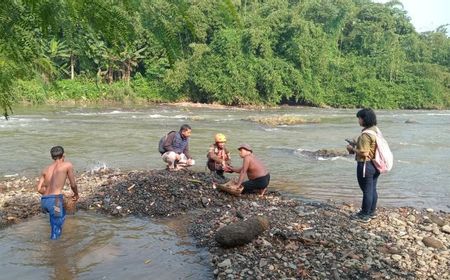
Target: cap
column 245, row 146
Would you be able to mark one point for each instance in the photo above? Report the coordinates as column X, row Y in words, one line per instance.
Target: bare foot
column 262, row 192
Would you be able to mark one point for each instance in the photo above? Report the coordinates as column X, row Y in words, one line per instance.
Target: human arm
column 186, row 152
column 213, row 154
column 41, row 187
column 243, row 170
column 73, row 184
column 350, row 149
column 234, row 169
column 228, row 158
column 362, row 147
column 351, row 145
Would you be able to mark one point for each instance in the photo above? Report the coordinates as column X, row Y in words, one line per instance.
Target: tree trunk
column 127, row 72
column 72, row 66
column 110, row 75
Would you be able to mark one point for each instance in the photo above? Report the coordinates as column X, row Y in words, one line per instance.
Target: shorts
column 251, row 186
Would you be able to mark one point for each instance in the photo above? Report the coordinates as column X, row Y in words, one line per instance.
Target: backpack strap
column 371, row 132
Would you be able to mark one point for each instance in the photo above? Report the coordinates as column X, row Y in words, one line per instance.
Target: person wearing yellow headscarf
column 218, row 155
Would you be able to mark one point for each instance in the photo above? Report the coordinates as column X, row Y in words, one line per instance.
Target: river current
column 99, row 247
column 127, row 138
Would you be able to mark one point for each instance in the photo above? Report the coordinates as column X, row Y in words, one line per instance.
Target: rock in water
column 241, row 232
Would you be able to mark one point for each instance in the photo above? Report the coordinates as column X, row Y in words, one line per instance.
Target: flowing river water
column 127, row 138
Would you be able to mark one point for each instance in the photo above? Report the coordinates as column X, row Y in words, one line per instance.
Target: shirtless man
column 51, row 184
column 257, row 174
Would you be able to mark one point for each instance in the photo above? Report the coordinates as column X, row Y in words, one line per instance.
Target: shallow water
column 127, row 138
column 99, row 247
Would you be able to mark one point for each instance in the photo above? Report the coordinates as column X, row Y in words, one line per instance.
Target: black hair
column 57, row 152
column 185, row 127
column 368, row 116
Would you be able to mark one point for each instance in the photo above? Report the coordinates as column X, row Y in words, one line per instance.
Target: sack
column 161, row 143
column 384, row 159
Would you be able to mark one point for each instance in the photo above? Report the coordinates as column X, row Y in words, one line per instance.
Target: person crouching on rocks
column 176, row 149
column 256, row 172
column 218, row 156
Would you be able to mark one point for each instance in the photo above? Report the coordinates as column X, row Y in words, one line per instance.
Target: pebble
column 446, row 229
column 432, row 242
column 396, row 257
column 225, row 263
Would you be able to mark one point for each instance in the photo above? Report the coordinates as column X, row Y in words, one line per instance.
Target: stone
column 437, row 220
column 262, row 262
column 241, row 232
column 411, row 218
column 432, row 242
column 396, row 257
column 225, row 263
column 446, row 229
column 205, row 201
column 411, row 121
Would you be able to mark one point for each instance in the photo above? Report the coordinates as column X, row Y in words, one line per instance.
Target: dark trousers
column 368, row 184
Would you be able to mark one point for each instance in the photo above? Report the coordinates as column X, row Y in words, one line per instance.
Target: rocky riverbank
column 305, row 240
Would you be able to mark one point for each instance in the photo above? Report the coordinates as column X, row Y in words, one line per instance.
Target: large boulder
column 241, row 232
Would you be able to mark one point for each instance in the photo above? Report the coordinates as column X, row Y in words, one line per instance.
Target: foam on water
column 410, row 144
column 97, row 166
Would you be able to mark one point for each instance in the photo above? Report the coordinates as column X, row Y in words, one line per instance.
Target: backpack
column 384, row 159
column 162, row 141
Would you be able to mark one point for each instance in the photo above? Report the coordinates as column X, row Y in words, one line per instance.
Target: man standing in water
column 51, row 184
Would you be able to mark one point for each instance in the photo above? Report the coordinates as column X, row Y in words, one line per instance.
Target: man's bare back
column 54, row 177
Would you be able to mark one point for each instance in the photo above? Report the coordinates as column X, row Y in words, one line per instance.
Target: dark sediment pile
column 153, row 193
column 305, row 240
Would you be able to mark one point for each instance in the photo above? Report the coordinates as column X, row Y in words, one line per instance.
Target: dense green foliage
column 340, row 53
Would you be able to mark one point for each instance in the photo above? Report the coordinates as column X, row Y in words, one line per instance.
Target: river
column 127, row 138
column 99, row 247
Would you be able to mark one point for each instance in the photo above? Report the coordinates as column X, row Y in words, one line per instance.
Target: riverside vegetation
column 342, row 53
column 303, row 240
